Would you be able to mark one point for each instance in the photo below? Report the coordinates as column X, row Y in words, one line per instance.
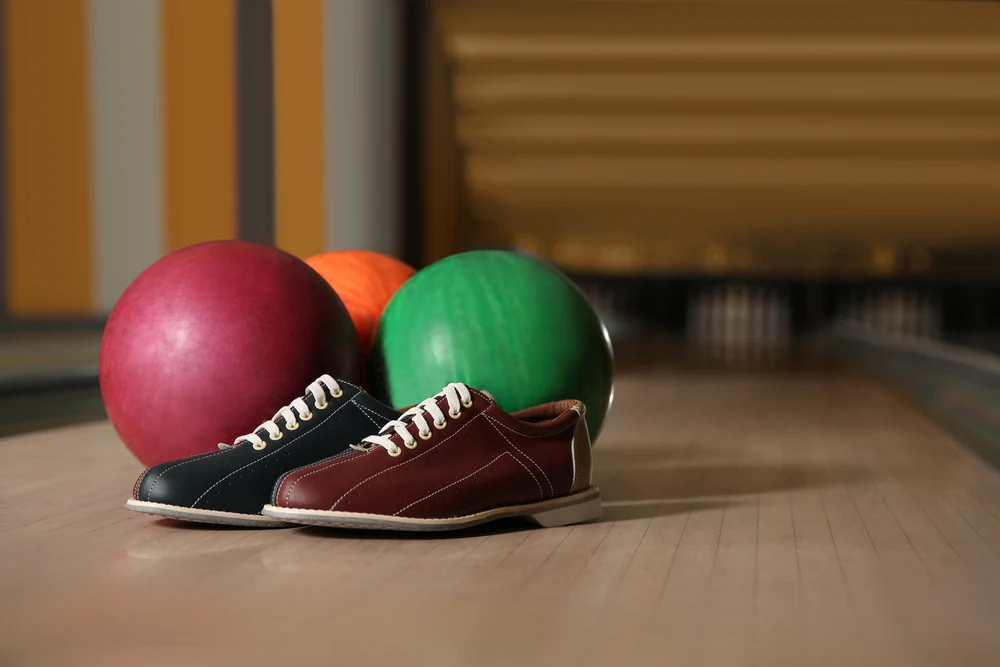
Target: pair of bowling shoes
column 338, row 457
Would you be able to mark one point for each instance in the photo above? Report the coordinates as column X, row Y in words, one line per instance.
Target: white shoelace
column 294, row 412
column 458, row 396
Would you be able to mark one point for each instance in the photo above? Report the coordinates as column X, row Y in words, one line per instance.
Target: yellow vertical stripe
column 199, row 62
column 49, row 265
column 298, row 126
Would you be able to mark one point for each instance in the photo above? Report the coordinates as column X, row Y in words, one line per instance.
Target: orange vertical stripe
column 298, row 125
column 199, row 62
column 49, row 259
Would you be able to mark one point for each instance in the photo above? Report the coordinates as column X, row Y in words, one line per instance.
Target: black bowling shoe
column 232, row 485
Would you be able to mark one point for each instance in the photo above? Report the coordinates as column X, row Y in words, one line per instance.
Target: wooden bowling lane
column 808, row 518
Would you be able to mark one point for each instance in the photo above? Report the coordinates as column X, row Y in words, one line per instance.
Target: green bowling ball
column 498, row 321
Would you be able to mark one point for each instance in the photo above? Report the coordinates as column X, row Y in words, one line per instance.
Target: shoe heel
column 564, row 516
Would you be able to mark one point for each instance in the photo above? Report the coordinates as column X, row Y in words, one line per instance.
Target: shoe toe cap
column 159, row 485
column 295, row 490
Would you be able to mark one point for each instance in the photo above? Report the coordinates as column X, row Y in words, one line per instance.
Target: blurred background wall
column 135, row 127
column 794, row 139
column 848, row 141
column 736, row 175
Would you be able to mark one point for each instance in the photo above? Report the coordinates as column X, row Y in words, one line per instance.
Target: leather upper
column 482, row 459
column 240, row 479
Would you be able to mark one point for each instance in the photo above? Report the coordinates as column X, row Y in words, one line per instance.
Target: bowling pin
column 744, row 326
column 705, row 320
column 718, row 331
column 887, row 313
column 734, row 325
column 691, row 326
column 935, row 317
column 784, row 326
column 897, row 312
column 755, row 322
column 912, row 313
column 770, row 325
column 853, row 308
column 729, row 337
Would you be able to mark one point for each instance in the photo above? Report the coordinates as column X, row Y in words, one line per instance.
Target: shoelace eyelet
column 411, row 445
column 277, row 437
column 306, row 417
column 259, row 446
column 290, row 427
column 467, row 405
column 395, row 452
column 425, row 435
column 324, row 406
column 455, row 415
column 337, row 393
column 441, row 425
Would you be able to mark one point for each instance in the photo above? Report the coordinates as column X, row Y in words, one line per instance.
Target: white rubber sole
column 576, row 508
column 204, row 516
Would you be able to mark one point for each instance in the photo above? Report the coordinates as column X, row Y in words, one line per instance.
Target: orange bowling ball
column 365, row 281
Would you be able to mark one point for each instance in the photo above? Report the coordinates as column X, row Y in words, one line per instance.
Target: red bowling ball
column 211, row 340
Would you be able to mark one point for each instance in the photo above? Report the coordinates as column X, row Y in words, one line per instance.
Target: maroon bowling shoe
column 453, row 461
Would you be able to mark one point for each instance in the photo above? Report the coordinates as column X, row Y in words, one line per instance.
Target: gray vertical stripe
column 362, row 128
column 127, row 155
column 255, row 112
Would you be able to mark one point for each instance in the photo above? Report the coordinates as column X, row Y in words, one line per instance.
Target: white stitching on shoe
column 365, row 413
column 338, row 459
column 209, row 455
column 429, row 449
column 337, row 462
column 547, row 435
column 433, row 493
column 494, row 423
column 541, row 494
column 199, row 457
column 258, row 460
column 372, row 412
column 135, row 487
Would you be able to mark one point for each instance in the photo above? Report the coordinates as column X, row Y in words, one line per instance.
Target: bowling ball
column 365, row 281
column 498, row 321
column 208, row 342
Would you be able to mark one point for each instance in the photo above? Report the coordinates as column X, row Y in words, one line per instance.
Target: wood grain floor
column 784, row 519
